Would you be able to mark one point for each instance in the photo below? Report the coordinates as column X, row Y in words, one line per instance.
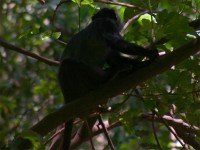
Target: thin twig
column 131, row 20
column 106, row 132
column 54, row 13
column 154, row 132
column 54, row 135
column 120, row 4
column 41, row 1
column 90, row 133
column 152, row 25
column 168, row 127
column 171, row 94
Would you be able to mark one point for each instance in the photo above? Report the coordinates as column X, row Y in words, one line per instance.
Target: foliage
column 29, row 89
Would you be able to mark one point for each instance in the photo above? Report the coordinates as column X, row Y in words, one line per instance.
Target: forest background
column 157, row 107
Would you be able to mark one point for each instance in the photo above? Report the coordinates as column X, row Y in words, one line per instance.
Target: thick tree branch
column 118, row 85
column 27, row 53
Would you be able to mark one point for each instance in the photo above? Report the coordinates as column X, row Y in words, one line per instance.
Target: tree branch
column 179, row 125
column 120, row 4
column 183, row 130
column 118, row 85
column 27, row 53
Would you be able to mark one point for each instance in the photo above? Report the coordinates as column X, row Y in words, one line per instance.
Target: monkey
column 83, row 60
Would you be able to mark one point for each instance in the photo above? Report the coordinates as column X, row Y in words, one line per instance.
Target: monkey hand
column 153, row 54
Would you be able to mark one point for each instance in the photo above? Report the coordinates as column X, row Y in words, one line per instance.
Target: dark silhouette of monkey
column 82, row 62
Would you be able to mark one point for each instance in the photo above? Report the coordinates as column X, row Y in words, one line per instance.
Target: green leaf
column 56, row 35
column 78, row 2
column 46, row 35
column 144, row 17
column 89, row 3
column 23, row 34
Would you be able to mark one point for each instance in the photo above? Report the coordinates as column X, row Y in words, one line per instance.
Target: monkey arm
column 133, row 49
column 116, row 42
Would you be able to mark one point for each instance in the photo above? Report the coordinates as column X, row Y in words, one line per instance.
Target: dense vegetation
column 157, row 107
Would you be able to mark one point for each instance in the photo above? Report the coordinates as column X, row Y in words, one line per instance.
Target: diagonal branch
column 117, row 85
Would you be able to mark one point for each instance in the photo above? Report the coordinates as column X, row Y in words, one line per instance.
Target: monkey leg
column 67, row 134
column 77, row 79
column 82, row 134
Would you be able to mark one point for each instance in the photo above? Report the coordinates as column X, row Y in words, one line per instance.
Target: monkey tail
column 67, row 134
